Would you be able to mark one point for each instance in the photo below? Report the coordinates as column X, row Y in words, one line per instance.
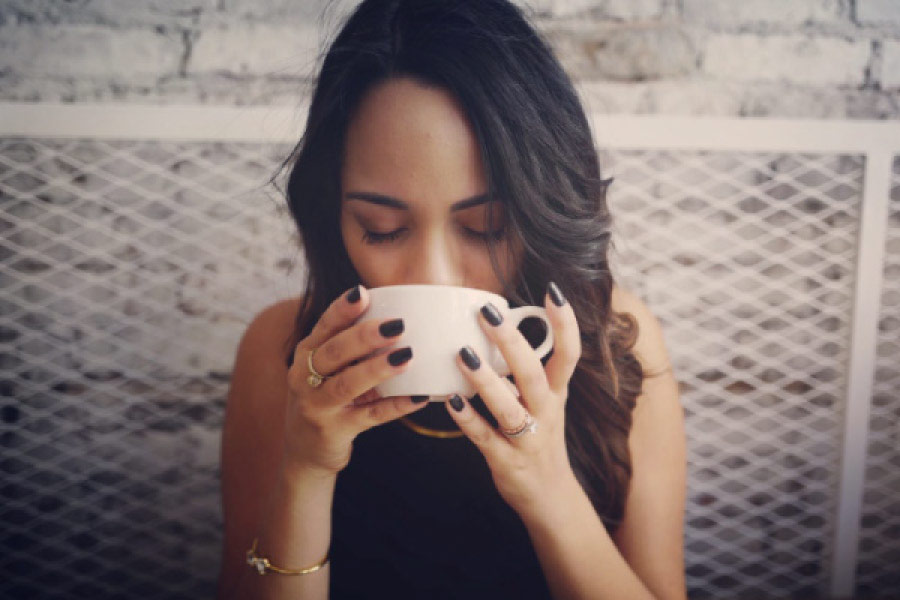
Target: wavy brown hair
column 539, row 161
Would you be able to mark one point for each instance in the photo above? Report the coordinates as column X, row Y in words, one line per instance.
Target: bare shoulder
column 252, row 437
column 650, row 536
column 650, row 347
column 271, row 327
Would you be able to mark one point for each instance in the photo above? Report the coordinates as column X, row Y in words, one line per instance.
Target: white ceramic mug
column 438, row 321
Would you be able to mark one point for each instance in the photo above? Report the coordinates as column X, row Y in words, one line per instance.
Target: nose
column 435, row 261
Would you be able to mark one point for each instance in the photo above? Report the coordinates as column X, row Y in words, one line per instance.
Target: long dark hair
column 539, row 160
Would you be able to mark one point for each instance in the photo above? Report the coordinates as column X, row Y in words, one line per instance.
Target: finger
column 512, row 388
column 339, row 315
column 523, row 361
column 493, row 389
column 341, row 389
column 477, row 429
column 566, row 341
column 383, row 410
column 356, row 342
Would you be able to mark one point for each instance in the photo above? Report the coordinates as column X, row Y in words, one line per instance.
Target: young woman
column 445, row 145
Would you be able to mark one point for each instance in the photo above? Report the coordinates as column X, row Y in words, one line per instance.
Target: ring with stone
column 529, row 425
column 315, row 378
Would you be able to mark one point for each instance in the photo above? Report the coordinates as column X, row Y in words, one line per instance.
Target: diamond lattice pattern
column 130, row 269
column 878, row 569
column 747, row 260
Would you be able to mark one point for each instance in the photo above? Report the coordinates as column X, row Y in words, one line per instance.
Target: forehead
column 412, row 142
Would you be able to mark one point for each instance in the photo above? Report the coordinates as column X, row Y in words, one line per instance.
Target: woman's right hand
column 322, row 422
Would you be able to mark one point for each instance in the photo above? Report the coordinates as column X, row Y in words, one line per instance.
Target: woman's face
column 412, row 204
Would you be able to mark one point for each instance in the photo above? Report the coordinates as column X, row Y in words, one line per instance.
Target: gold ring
column 529, row 425
column 315, row 378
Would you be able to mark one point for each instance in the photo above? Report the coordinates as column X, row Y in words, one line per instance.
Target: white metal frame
column 877, row 141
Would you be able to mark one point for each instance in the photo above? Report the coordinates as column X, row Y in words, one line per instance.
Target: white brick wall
column 257, row 49
column 88, row 51
column 786, row 13
column 890, row 65
column 885, row 12
column 821, row 58
column 619, row 9
column 797, row 59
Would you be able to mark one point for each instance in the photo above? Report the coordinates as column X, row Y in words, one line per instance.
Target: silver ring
column 529, row 425
column 315, row 378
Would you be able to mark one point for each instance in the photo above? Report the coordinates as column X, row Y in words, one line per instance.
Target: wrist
column 293, row 474
column 556, row 507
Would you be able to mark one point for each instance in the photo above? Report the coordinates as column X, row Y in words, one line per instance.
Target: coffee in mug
column 439, row 320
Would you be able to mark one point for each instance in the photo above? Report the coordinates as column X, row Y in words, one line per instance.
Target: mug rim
column 428, row 286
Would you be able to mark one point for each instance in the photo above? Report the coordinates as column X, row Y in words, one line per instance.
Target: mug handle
column 518, row 315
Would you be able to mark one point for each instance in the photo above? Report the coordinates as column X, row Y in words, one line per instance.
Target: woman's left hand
column 528, row 468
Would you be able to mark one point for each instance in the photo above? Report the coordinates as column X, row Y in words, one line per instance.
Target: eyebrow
column 382, row 200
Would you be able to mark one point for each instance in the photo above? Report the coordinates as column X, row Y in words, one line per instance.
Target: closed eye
column 376, row 237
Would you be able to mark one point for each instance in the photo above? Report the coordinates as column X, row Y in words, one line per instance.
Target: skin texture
column 413, row 144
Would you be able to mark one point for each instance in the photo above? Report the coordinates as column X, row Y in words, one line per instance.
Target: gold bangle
column 262, row 564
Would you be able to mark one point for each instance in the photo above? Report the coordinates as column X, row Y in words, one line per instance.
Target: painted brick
column 751, row 12
column 799, row 59
column 632, row 9
column 256, row 49
column 88, row 51
column 890, row 64
column 615, row 9
column 309, row 11
column 146, row 13
column 628, row 53
column 700, row 98
column 792, row 102
column 556, row 7
column 870, row 12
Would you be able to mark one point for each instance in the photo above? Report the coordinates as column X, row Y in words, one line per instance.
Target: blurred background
column 136, row 247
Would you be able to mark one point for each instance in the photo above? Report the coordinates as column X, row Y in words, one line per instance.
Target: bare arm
column 645, row 557
column 533, row 473
column 291, row 513
column 284, row 441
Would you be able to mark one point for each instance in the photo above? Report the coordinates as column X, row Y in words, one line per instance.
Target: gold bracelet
column 262, row 564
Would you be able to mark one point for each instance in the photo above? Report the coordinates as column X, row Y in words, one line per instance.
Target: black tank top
column 420, row 517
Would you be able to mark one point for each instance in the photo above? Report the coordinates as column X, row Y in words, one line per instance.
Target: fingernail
column 556, row 295
column 491, row 313
column 419, row 399
column 469, row 357
column 391, row 328
column 353, row 295
column 398, row 357
column 456, row 402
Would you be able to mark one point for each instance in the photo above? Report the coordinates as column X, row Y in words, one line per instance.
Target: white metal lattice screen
column 748, row 260
column 878, row 570
column 130, row 268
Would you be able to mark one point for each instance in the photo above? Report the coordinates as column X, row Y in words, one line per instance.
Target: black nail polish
column 492, row 315
column 419, row 399
column 353, row 295
column 456, row 402
column 390, row 329
column 398, row 357
column 469, row 357
column 290, row 360
column 555, row 294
